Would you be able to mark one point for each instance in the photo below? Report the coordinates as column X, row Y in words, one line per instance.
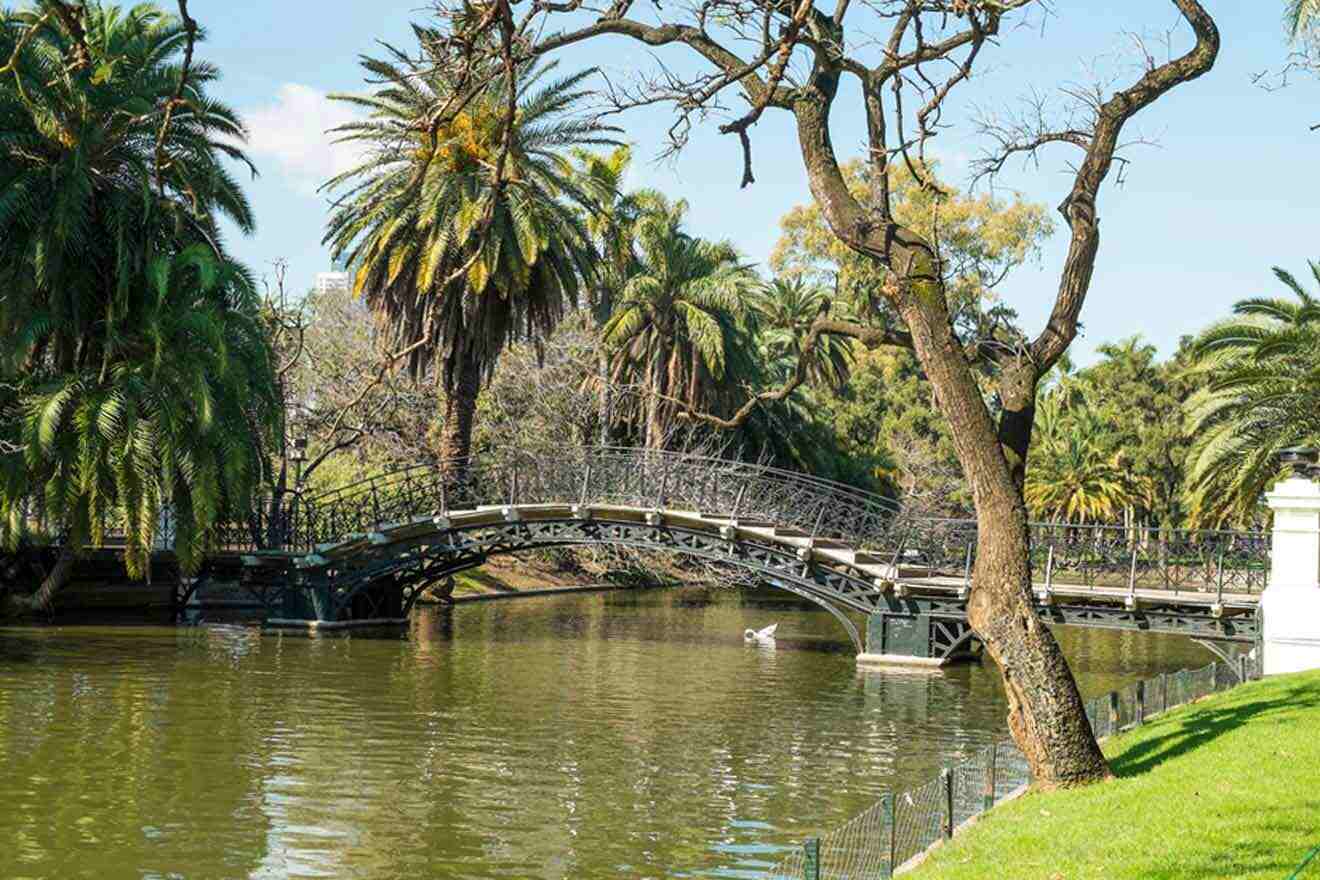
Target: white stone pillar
column 1291, row 601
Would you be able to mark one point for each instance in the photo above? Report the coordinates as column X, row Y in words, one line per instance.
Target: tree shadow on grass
column 1185, row 731
column 1273, row 846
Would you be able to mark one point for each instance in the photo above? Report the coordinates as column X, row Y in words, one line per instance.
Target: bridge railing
column 1095, row 556
column 627, row 477
column 1062, row 554
column 1102, row 556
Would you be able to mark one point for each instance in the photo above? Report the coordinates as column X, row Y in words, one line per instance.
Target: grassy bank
column 1226, row 787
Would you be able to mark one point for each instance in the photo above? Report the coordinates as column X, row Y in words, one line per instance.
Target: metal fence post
column 737, row 502
column 1164, row 692
column 1219, row 577
column 1113, row 712
column 1140, row 709
column 664, row 484
column 1132, row 573
column 990, row 776
column 1242, row 668
column 890, row 814
column 811, row 859
column 948, row 802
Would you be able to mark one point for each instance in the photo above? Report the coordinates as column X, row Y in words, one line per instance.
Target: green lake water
column 611, row 735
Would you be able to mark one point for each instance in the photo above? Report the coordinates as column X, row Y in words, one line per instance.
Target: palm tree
column 84, row 205
column 1262, row 394
column 134, row 374
column 613, row 226
column 458, row 250
column 158, row 435
column 678, row 326
column 1300, row 15
column 785, row 310
column 1073, row 474
column 611, row 223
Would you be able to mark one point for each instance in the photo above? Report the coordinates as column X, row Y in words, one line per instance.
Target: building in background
column 329, row 282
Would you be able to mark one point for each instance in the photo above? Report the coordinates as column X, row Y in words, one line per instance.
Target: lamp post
column 1290, row 605
column 298, row 457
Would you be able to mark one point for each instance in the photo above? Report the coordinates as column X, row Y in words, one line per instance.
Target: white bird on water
column 761, row 636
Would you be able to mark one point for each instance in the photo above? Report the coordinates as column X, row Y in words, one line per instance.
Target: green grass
column 1227, row 787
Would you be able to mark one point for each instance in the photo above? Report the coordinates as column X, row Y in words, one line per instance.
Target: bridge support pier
column 320, row 604
column 1290, row 604
column 911, row 638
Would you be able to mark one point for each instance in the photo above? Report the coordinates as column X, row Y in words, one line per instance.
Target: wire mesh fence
column 880, row 841
column 1310, row 866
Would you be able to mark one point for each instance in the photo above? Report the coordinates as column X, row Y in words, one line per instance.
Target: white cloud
column 293, row 132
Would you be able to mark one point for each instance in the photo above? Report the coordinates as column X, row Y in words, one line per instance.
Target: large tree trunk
column 41, row 601
column 1046, row 713
column 460, row 411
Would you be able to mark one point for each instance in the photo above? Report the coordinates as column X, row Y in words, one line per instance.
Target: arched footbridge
column 364, row 552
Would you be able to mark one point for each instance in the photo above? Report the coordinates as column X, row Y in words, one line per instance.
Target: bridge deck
column 362, row 546
column 873, row 565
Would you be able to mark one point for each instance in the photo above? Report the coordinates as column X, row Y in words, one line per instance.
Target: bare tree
column 907, row 57
column 342, row 391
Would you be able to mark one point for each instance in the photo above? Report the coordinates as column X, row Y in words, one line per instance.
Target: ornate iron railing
column 630, row 477
column 1107, row 556
column 1097, row 556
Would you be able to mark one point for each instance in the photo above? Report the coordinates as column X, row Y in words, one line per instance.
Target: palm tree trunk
column 606, row 413
column 655, row 407
column 460, row 411
column 655, row 427
column 43, row 599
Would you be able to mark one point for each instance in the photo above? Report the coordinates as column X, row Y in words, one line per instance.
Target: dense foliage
column 144, row 383
column 1258, row 391
column 138, row 387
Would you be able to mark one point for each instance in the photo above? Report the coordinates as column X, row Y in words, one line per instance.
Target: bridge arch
column 408, row 555
column 364, row 549
column 422, row 523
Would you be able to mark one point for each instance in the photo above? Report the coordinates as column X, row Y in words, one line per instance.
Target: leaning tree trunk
column 460, row 411
column 1046, row 713
column 43, row 599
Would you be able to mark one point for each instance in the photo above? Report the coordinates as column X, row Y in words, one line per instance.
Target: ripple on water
column 581, row 736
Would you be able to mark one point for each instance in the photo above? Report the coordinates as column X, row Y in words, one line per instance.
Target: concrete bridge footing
column 905, row 639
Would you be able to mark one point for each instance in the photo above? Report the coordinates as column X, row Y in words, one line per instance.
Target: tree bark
column 460, row 411
column 1046, row 713
column 41, row 601
column 658, row 410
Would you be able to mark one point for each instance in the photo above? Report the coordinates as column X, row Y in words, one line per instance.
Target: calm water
column 599, row 736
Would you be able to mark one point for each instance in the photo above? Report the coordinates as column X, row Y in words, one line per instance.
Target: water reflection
column 603, row 735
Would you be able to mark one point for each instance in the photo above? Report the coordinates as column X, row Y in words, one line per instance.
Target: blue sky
column 1202, row 217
